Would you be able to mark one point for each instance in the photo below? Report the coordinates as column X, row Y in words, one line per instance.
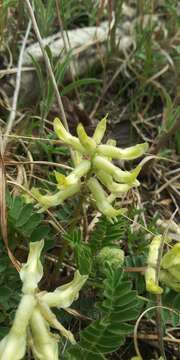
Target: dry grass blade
column 12, row 115
column 3, row 213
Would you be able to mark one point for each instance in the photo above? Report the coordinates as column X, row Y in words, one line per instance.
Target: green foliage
column 9, row 285
column 46, row 86
column 24, row 221
column 104, row 234
column 137, row 278
column 78, row 83
column 119, row 306
column 107, row 234
column 45, row 15
column 82, row 251
column 78, row 13
column 171, row 300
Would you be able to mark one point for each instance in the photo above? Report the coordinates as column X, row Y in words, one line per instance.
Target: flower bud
column 151, row 285
column 150, row 274
column 45, row 344
column 100, row 198
column 111, row 142
column 13, row 345
column 100, row 163
column 129, row 153
column 73, row 178
column 87, row 142
column 64, row 295
column 113, row 255
column 100, row 131
column 111, row 185
column 32, row 271
column 66, row 137
column 47, row 201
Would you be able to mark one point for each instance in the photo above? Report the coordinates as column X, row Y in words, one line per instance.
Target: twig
column 167, row 183
column 15, row 70
column 33, row 138
column 152, row 337
column 48, row 163
column 16, row 92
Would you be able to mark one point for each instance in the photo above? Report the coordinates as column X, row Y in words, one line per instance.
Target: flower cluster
column 170, row 267
column 34, row 317
column 94, row 168
column 112, row 255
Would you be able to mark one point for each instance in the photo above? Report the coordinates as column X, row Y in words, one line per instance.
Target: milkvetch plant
column 34, row 317
column 94, row 170
column 169, row 271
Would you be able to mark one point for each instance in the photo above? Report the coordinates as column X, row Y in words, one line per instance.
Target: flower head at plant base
column 113, row 255
column 94, row 162
column 34, row 318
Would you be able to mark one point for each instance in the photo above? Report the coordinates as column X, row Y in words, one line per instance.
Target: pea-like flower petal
column 13, row 345
column 66, row 137
column 87, row 142
column 64, row 295
column 150, row 274
column 47, row 201
column 45, row 344
column 73, row 178
column 130, row 153
column 100, row 131
column 119, row 175
column 112, row 186
column 32, row 271
column 151, row 284
column 100, row 198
